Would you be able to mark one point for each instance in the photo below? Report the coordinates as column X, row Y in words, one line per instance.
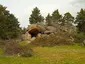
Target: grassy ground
column 50, row 55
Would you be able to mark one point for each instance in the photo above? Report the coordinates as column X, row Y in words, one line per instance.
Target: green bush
column 80, row 37
column 13, row 48
column 28, row 53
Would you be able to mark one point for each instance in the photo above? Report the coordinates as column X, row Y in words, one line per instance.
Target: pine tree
column 80, row 20
column 48, row 19
column 68, row 18
column 9, row 25
column 36, row 17
column 56, row 17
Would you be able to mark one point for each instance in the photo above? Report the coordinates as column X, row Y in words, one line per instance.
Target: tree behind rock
column 49, row 20
column 67, row 19
column 56, row 16
column 36, row 17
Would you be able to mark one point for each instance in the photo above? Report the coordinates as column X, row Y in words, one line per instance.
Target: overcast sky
column 22, row 8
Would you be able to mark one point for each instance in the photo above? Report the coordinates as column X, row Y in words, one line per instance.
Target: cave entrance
column 34, row 32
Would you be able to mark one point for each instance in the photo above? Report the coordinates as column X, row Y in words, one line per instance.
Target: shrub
column 80, row 37
column 13, row 48
column 27, row 53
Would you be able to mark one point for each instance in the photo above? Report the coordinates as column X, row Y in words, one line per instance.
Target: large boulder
column 26, row 36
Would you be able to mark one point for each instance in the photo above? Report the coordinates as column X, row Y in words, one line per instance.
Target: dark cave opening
column 34, row 32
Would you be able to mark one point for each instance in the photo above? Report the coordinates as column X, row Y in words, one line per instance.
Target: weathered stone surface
column 51, row 28
column 61, row 33
column 26, row 36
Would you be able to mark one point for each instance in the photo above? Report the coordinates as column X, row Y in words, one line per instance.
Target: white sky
column 22, row 8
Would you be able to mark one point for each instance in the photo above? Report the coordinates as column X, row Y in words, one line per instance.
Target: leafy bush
column 13, row 48
column 27, row 53
column 80, row 37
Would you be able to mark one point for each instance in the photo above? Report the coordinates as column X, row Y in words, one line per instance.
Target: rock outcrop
column 37, row 30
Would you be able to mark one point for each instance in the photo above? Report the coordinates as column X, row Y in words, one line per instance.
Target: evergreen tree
column 23, row 30
column 9, row 25
column 56, row 17
column 36, row 17
column 68, row 19
column 80, row 20
column 48, row 19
